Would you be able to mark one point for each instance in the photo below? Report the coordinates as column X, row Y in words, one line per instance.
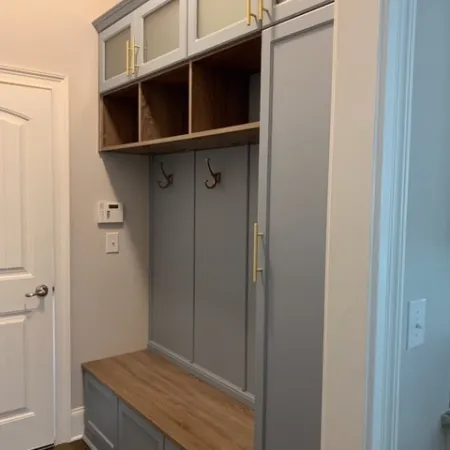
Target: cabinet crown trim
column 116, row 13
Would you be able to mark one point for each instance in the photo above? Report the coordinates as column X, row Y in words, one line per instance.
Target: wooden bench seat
column 193, row 414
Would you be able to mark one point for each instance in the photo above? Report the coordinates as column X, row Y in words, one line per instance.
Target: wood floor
column 79, row 445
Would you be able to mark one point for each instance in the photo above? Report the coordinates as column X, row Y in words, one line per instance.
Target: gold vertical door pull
column 128, row 58
column 249, row 13
column 134, row 50
column 260, row 10
column 256, row 235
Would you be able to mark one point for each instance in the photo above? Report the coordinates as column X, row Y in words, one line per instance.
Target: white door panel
column 26, row 261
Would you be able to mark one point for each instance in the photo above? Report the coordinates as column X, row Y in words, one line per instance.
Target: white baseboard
column 89, row 443
column 77, row 424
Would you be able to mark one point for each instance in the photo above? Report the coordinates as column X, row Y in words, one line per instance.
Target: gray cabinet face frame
column 271, row 37
column 275, row 12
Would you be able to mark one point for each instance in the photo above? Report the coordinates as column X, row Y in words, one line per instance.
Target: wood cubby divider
column 165, row 105
column 120, row 117
column 200, row 104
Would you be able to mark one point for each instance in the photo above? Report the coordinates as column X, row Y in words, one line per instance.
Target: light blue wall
column 425, row 371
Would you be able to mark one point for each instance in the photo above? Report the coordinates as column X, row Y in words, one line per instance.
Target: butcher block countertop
column 193, row 414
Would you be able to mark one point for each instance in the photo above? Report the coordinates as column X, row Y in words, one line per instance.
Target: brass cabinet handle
column 256, row 235
column 260, row 10
column 249, row 13
column 128, row 58
column 134, row 50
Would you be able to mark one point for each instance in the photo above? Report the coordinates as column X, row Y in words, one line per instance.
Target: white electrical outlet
column 112, row 242
column 416, row 323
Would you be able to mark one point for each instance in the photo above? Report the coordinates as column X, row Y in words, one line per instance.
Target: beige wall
column 109, row 292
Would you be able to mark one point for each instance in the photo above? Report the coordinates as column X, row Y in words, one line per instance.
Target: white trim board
column 58, row 85
column 77, row 424
column 366, row 222
column 392, row 165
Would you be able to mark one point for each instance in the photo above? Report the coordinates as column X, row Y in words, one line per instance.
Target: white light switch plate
column 112, row 242
column 416, row 323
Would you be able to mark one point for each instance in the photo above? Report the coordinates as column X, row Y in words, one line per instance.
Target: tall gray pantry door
column 292, row 214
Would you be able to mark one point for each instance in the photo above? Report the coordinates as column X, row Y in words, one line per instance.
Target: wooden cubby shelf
column 222, row 137
column 211, row 102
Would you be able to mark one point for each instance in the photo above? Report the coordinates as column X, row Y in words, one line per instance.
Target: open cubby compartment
column 120, row 117
column 165, row 105
column 226, row 87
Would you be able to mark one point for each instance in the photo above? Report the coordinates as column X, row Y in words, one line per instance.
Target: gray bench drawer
column 169, row 445
column 135, row 433
column 100, row 415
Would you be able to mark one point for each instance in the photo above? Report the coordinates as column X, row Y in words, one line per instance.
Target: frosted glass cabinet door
column 276, row 10
column 115, row 54
column 161, row 27
column 216, row 22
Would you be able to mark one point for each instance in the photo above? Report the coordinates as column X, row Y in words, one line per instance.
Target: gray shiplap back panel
column 297, row 216
column 251, row 292
column 221, row 264
column 172, row 250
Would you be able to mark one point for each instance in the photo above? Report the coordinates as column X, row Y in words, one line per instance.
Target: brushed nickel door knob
column 41, row 291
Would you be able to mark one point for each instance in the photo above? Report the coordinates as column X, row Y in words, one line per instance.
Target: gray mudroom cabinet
column 239, row 197
column 292, row 217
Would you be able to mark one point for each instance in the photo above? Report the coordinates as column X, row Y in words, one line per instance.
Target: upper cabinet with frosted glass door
column 273, row 11
column 161, row 31
column 118, row 51
column 216, row 22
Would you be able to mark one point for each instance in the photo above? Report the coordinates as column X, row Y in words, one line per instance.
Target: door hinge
column 53, row 289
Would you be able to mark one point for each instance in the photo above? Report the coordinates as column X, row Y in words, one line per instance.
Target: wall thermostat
column 109, row 212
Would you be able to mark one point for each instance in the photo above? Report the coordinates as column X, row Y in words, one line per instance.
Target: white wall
column 425, row 370
column 109, row 292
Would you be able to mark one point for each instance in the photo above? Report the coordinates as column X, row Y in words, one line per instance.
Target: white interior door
column 26, row 262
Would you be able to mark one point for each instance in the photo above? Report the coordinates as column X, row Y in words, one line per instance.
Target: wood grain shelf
column 191, row 413
column 247, row 133
column 206, row 103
